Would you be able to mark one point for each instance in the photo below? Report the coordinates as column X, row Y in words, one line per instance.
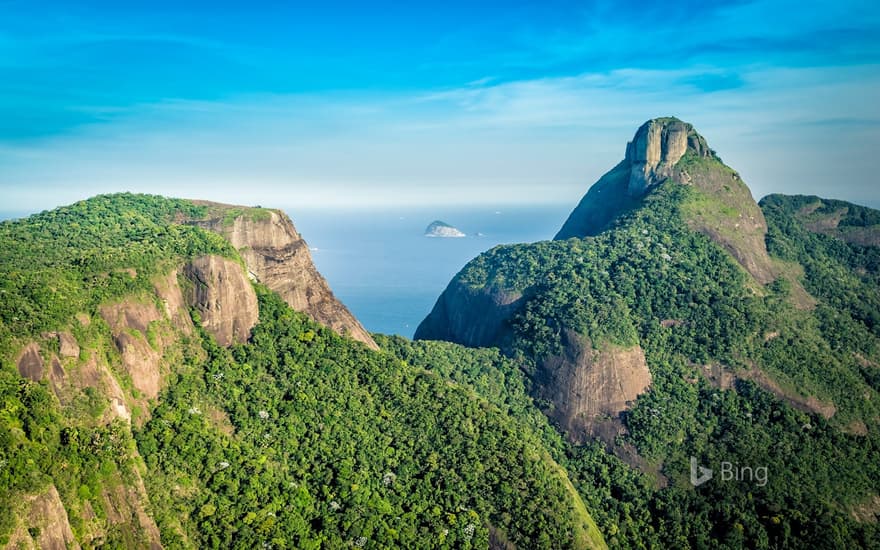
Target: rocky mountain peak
column 657, row 147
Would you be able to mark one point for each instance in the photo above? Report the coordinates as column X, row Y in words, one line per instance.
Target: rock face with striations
column 655, row 150
column 472, row 317
column 224, row 298
column 277, row 256
column 587, row 385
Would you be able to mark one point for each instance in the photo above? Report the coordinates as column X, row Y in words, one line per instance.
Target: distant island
column 442, row 229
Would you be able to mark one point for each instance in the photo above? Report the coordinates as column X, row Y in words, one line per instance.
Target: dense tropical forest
column 301, row 438
column 617, row 286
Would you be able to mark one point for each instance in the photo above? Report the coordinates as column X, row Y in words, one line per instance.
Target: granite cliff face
column 120, row 357
column 472, row 317
column 224, row 297
column 588, row 385
column 655, row 150
column 277, row 256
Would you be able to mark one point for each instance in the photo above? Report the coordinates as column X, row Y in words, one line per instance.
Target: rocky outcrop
column 842, row 220
column 585, row 386
column 468, row 316
column 44, row 524
column 224, row 297
column 126, row 507
column 651, row 157
column 129, row 322
column 442, row 229
column 168, row 290
column 655, row 150
column 726, row 212
column 30, row 362
column 277, row 256
column 588, row 385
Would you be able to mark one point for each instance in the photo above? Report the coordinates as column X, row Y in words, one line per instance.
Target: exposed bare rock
column 129, row 314
column 856, row 427
column 472, row 317
column 67, row 345
column 725, row 378
column 44, row 524
column 129, row 321
column 100, row 377
column 30, row 363
column 841, row 220
column 223, row 296
column 657, row 146
column 168, row 290
column 498, row 540
column 586, row 385
column 727, row 213
column 140, row 361
column 867, row 511
column 277, row 256
column 126, row 507
column 57, row 377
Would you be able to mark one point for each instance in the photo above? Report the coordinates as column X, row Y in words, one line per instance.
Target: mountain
column 177, row 374
column 674, row 317
column 159, row 388
column 667, row 149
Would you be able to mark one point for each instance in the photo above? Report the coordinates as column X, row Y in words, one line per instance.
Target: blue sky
column 376, row 103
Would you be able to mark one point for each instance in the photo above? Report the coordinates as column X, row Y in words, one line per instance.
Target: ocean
column 380, row 264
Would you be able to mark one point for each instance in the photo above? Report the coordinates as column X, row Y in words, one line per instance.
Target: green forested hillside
column 334, row 445
column 796, row 393
column 71, row 259
column 301, row 438
column 298, row 438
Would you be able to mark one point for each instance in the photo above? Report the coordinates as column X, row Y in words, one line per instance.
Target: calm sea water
column 380, row 264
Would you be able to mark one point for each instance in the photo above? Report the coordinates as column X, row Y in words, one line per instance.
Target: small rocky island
column 442, row 229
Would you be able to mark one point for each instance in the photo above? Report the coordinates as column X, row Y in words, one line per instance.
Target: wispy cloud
column 786, row 130
column 465, row 103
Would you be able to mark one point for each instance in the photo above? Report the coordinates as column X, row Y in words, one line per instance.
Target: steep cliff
column 657, row 147
column 277, row 256
column 44, row 524
column 224, row 297
column 105, row 368
column 669, row 246
column 124, row 424
column 587, row 385
column 469, row 316
column 107, row 359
